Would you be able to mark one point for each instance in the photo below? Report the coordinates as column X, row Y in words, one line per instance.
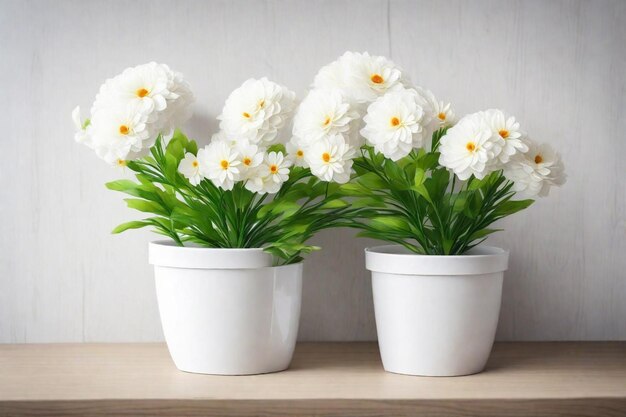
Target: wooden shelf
column 325, row 379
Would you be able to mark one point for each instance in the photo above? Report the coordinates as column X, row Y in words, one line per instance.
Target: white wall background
column 559, row 66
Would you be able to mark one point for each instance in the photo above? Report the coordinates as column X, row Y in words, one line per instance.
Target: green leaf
column 421, row 190
column 509, row 207
column 351, row 189
column 137, row 224
column 121, row 185
column 428, row 161
column 482, row 233
column 146, row 206
column 394, row 172
column 420, row 177
column 334, row 204
column 473, row 204
column 437, row 183
column 372, row 181
column 192, row 147
column 368, row 202
column 390, row 222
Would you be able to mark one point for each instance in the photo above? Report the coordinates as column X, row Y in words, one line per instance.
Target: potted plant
column 432, row 188
column 236, row 213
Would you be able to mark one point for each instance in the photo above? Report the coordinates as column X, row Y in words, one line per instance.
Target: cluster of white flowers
column 250, row 121
column 328, row 126
column 132, row 109
column 491, row 140
column 534, row 172
column 256, row 111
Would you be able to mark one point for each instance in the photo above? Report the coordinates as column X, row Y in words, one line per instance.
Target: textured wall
column 560, row 67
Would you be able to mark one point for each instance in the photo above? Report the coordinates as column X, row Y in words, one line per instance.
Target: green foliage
column 209, row 216
column 419, row 204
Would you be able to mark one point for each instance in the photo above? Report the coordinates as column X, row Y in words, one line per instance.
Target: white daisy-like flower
column 470, row 147
column 509, row 130
column 250, row 155
column 220, row 163
column 394, row 124
column 159, row 95
column 146, row 85
column 296, row 153
column 116, row 132
column 439, row 113
column 330, row 159
column 190, row 167
column 82, row 133
column 179, row 108
column 257, row 110
column 361, row 77
column 270, row 175
column 322, row 113
column 536, row 171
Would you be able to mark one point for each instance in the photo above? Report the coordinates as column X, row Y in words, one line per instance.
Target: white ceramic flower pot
column 436, row 315
column 226, row 311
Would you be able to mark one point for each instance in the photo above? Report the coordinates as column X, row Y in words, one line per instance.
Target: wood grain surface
column 325, row 379
column 557, row 65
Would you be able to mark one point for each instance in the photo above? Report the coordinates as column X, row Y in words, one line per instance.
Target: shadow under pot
column 226, row 311
column 436, row 315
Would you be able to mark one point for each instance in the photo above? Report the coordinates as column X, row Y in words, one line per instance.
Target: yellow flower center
column 504, row 133
column 124, row 129
column 326, row 121
column 142, row 92
column 377, row 79
column 326, row 157
column 246, row 114
column 261, row 104
column 247, row 161
column 273, row 169
column 394, row 121
column 538, row 159
column 224, row 164
column 299, row 154
column 194, row 164
column 441, row 116
column 121, row 163
column 471, row 146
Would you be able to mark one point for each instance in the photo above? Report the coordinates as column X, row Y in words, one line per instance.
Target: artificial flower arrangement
column 433, row 187
column 368, row 150
column 239, row 191
column 431, row 184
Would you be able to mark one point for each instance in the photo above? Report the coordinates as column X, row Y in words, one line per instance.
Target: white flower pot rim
column 167, row 253
column 396, row 259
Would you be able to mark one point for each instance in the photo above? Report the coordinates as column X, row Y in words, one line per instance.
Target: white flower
column 190, row 168
column 118, row 131
column 296, row 153
column 439, row 114
column 146, row 85
column 257, row 110
column 270, row 175
column 220, row 163
column 393, row 124
column 470, row 147
column 250, row 156
column 178, row 109
column 360, row 76
column 82, row 134
column 534, row 172
column 322, row 113
column 330, row 159
column 153, row 93
column 508, row 129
